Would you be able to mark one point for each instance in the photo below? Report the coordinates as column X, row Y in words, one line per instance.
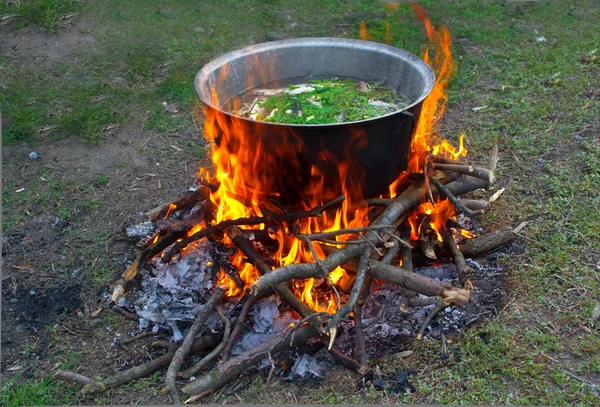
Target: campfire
column 263, row 260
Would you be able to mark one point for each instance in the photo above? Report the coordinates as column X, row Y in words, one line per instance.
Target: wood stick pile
column 373, row 256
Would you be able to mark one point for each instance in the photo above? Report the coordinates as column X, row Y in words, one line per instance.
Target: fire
column 434, row 106
column 247, row 174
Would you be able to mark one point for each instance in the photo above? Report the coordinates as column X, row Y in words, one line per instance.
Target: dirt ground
column 67, row 241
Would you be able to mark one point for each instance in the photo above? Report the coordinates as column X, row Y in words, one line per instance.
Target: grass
column 43, row 392
column 542, row 108
column 48, row 14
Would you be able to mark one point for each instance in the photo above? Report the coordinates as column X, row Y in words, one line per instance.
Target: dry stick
column 444, row 160
column 403, row 241
column 347, row 308
column 182, row 202
column 177, row 231
column 493, row 161
column 462, row 268
column 76, row 378
column 215, row 352
column 348, row 231
column 378, row 201
column 389, row 256
column 407, row 264
column 426, row 177
column 478, row 172
column 224, row 373
column 285, row 293
column 439, row 306
column 311, row 247
column 263, row 268
column 419, row 283
column 239, row 324
column 340, row 242
column 138, row 337
column 475, row 204
column 487, row 242
column 360, row 335
column 255, row 220
column 97, row 386
column 458, row 205
column 183, row 351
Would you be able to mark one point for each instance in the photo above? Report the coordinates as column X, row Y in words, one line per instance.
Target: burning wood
column 233, row 240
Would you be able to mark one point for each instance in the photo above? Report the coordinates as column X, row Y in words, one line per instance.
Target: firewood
column 462, row 268
column 225, row 372
column 185, row 201
column 479, row 172
column 458, row 205
column 487, row 242
column 93, row 386
column 215, row 352
column 475, row 204
column 254, row 220
column 186, row 346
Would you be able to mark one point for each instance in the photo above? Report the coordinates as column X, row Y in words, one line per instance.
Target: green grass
column 542, row 110
column 43, row 392
column 47, row 14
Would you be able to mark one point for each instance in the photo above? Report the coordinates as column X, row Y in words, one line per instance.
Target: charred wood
column 185, row 201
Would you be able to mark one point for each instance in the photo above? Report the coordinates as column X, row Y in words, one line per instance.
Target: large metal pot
column 374, row 151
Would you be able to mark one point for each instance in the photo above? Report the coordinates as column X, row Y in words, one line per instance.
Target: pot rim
column 206, row 72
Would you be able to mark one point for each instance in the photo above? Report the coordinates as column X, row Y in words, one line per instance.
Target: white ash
column 265, row 312
column 176, row 292
column 140, row 230
column 308, row 367
column 251, row 337
column 382, row 318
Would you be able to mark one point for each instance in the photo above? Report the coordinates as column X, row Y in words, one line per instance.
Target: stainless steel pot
column 372, row 151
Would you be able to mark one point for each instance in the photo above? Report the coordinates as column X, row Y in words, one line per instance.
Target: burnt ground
column 63, row 239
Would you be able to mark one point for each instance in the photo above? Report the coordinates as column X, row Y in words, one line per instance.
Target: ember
column 333, row 264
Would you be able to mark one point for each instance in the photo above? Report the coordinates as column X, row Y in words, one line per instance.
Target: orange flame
column 248, row 173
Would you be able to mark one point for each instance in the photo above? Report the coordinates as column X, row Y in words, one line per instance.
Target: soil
column 45, row 48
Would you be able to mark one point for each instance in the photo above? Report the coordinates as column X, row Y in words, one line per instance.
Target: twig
column 76, row 377
column 475, row 204
column 215, row 352
column 347, row 231
column 223, row 374
column 478, row 172
column 401, row 241
column 458, row 205
column 239, row 324
column 444, row 160
column 183, row 351
column 311, row 247
column 270, row 372
column 400, row 206
column 440, row 306
column 346, row 309
column 308, row 318
column 462, row 268
column 378, row 202
column 138, row 337
column 426, row 177
column 143, row 370
column 367, row 241
column 360, row 335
